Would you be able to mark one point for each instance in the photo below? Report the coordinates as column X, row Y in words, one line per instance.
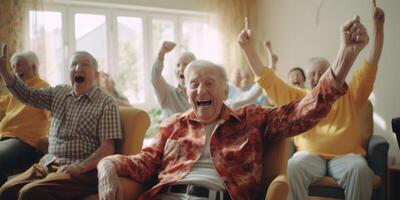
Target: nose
column 201, row 89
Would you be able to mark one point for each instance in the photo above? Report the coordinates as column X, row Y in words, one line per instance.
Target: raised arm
column 353, row 38
column 39, row 98
column 377, row 36
column 272, row 58
column 161, row 86
column 302, row 115
column 279, row 92
column 5, row 70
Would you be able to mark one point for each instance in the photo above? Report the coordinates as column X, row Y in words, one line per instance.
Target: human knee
column 31, row 191
column 8, row 191
column 359, row 168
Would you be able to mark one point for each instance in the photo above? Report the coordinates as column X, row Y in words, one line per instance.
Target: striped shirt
column 78, row 124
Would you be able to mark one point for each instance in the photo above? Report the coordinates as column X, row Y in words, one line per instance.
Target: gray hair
column 188, row 55
column 29, row 56
column 205, row 63
column 94, row 61
column 317, row 60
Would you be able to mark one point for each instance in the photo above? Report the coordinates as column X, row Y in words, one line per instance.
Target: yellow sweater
column 22, row 121
column 338, row 132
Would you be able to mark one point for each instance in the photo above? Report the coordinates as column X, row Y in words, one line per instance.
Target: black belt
column 194, row 190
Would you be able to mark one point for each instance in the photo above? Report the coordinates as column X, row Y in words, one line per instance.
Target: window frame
column 112, row 11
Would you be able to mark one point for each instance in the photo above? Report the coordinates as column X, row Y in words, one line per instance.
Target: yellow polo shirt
column 338, row 133
column 22, row 121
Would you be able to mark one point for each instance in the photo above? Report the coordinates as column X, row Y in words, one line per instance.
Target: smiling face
column 315, row 73
column 183, row 61
column 83, row 72
column 296, row 78
column 24, row 69
column 206, row 89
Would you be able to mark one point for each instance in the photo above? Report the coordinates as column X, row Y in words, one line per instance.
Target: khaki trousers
column 42, row 182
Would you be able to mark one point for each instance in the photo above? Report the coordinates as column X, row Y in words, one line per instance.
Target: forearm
column 255, row 63
column 106, row 149
column 376, row 48
column 8, row 77
column 342, row 65
column 39, row 98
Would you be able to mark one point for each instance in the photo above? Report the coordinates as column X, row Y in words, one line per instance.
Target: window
column 124, row 41
column 46, row 39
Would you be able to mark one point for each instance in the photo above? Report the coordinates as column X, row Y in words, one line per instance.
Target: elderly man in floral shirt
column 213, row 152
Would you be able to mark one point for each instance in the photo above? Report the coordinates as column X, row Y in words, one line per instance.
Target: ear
column 34, row 69
column 96, row 75
column 226, row 92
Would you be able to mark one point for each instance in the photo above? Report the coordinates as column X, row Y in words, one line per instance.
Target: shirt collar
column 89, row 94
column 226, row 114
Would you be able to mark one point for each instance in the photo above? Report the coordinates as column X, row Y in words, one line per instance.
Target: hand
column 110, row 187
column 354, row 37
column 166, row 47
column 4, row 67
column 379, row 18
column 244, row 38
column 71, row 169
column 273, row 58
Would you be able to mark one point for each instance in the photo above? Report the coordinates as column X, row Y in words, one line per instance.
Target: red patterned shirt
column 235, row 146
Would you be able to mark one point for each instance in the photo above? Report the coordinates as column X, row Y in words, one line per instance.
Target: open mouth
column 79, row 79
column 204, row 103
column 181, row 76
column 21, row 75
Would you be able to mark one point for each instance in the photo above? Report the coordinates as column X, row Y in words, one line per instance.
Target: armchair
column 377, row 155
column 134, row 123
column 274, row 165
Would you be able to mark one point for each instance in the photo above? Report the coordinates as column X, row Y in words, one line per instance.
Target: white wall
column 295, row 35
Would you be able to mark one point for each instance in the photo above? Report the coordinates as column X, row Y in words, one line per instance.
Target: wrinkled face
column 206, row 92
column 316, row 72
column 23, row 69
column 82, row 73
column 180, row 68
column 296, row 78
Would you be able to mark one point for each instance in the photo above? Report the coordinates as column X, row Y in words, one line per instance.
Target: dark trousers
column 15, row 155
column 42, row 182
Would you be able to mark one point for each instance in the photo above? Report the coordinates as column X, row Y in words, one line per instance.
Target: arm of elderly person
column 248, row 97
column 302, row 114
column 161, row 86
column 279, row 92
column 106, row 148
column 362, row 82
column 39, row 98
column 140, row 167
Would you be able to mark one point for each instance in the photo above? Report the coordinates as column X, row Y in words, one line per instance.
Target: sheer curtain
column 11, row 23
column 228, row 18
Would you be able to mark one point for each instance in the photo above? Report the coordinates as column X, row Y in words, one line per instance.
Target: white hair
column 29, row 56
column 94, row 61
column 189, row 55
column 205, row 63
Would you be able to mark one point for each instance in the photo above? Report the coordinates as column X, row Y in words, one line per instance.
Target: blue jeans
column 15, row 155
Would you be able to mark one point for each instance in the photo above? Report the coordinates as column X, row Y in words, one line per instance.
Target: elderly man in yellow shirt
column 334, row 145
column 22, row 125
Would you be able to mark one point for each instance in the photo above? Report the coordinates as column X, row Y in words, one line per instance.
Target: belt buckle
column 198, row 191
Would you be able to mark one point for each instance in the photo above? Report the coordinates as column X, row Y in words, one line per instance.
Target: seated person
column 172, row 99
column 108, row 84
column 84, row 124
column 297, row 77
column 22, row 125
column 214, row 147
column 333, row 147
